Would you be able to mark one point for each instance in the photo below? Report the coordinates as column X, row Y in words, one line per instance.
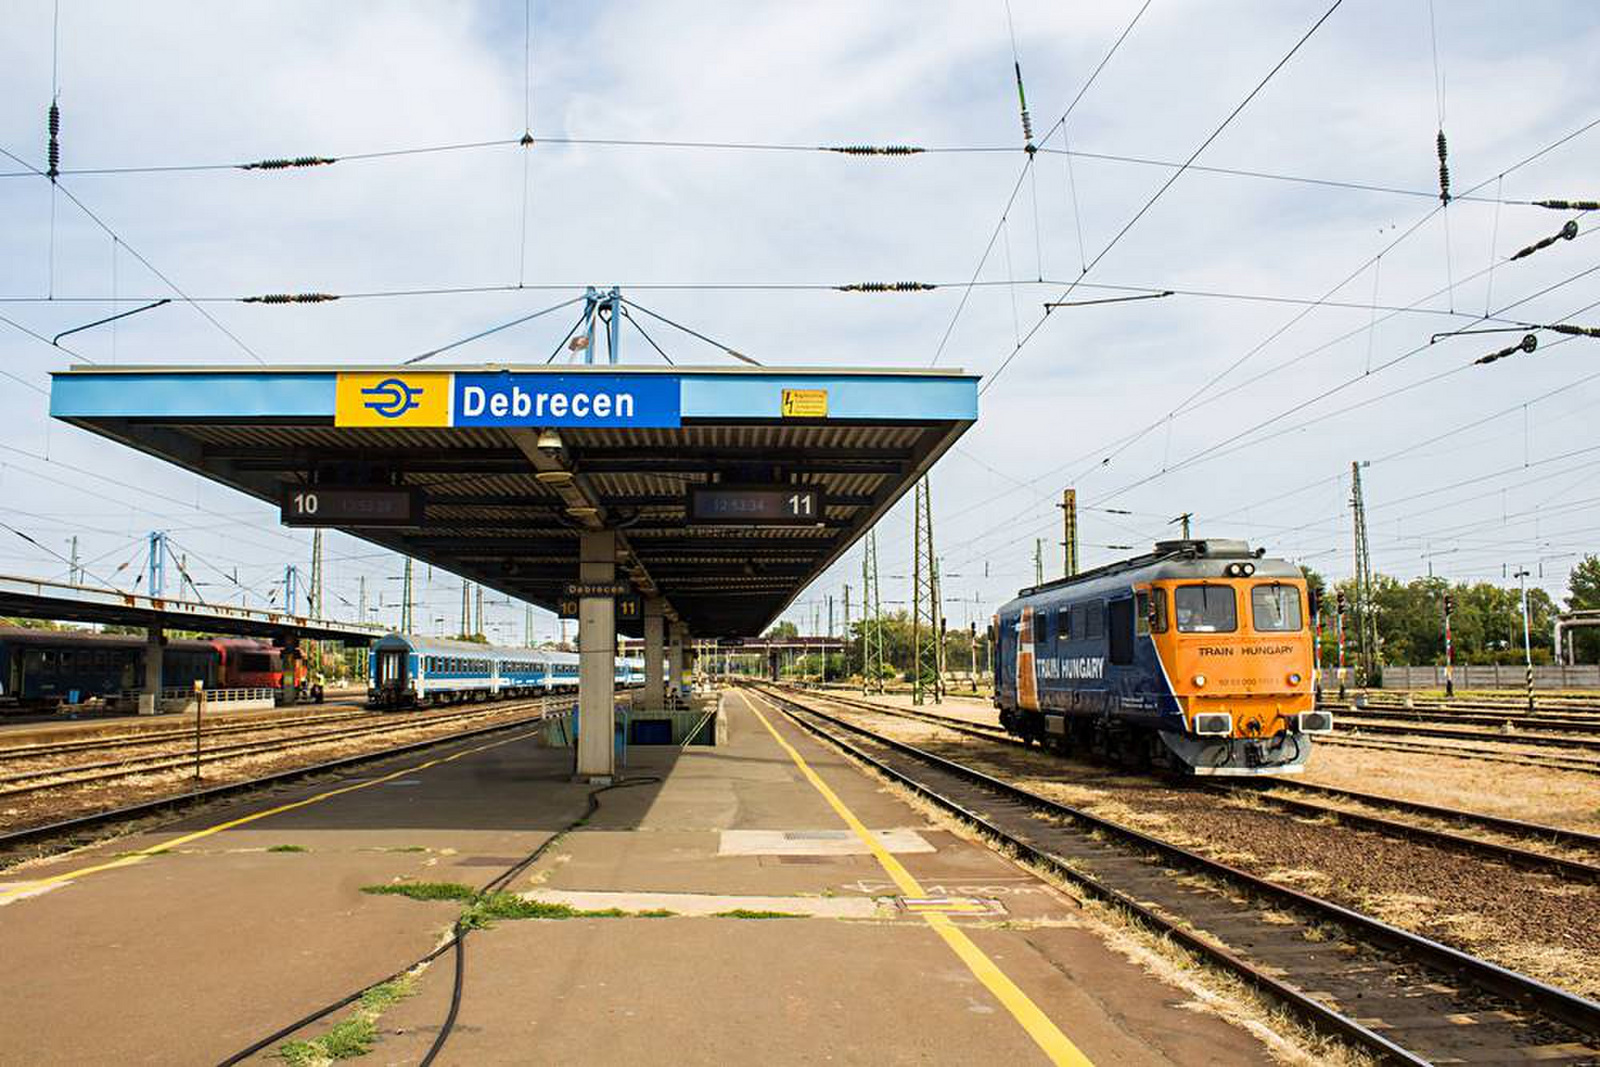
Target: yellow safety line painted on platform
column 1051, row 1041
column 18, row 890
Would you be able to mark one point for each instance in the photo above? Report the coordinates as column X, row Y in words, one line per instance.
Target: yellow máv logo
column 390, row 398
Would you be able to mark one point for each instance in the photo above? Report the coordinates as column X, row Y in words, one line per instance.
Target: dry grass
column 1558, row 798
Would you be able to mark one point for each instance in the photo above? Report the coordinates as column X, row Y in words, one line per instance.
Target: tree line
column 1485, row 625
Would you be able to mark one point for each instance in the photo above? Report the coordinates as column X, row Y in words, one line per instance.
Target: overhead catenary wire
column 1022, row 175
column 994, row 375
column 151, row 267
column 1190, row 401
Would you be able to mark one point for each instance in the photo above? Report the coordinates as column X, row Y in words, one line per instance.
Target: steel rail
column 215, row 727
column 1569, row 1008
column 1512, row 854
column 109, row 770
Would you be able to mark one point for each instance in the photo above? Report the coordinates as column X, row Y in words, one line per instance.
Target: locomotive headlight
column 1247, row 569
column 1200, row 680
column 1294, row 679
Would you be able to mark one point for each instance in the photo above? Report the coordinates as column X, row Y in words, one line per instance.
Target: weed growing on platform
column 288, row 848
column 355, row 1035
column 423, row 890
column 747, row 913
column 491, row 906
column 655, row 913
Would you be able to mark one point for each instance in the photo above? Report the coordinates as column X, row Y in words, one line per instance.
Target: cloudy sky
column 1241, row 399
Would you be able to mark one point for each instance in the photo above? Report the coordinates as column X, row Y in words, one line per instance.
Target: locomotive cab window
column 1150, row 612
column 1205, row 609
column 1275, row 608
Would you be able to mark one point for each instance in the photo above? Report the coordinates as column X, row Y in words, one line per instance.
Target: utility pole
column 825, row 643
column 405, row 601
column 1366, row 616
column 316, row 574
column 1316, row 653
column 1038, row 561
column 1527, row 638
column 291, row 587
column 871, row 619
column 527, row 625
column 75, row 572
column 466, row 607
column 1338, row 624
column 844, row 642
column 1069, row 530
column 478, row 593
column 1183, row 523
column 925, row 613
column 1449, row 651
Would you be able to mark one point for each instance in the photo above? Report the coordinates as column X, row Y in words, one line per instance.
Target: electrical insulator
column 54, row 154
column 289, row 298
column 283, row 164
column 1575, row 331
column 885, row 287
column 1444, row 169
column 1567, row 233
column 1569, row 205
column 1528, row 343
column 876, row 150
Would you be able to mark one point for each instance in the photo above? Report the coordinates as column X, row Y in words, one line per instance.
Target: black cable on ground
column 456, row 942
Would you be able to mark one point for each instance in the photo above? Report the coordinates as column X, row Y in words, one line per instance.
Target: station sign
column 608, row 589
column 508, row 399
column 405, row 399
column 312, row 505
column 755, row 505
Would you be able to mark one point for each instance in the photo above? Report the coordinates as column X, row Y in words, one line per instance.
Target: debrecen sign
column 509, row 399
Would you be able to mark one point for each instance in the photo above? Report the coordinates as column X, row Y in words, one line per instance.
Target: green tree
column 1583, row 594
column 784, row 629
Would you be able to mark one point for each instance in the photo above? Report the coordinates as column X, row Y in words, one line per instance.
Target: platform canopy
column 492, row 472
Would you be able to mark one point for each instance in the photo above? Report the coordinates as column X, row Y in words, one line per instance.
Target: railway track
column 1551, row 762
column 1531, row 852
column 176, row 733
column 1402, row 997
column 175, row 757
column 1450, row 718
column 81, row 829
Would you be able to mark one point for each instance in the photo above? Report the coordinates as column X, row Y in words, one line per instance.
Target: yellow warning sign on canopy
column 805, row 403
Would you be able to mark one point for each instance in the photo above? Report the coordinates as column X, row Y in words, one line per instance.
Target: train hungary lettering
column 1075, row 667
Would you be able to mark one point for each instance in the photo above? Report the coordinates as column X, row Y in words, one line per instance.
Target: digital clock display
column 774, row 505
column 332, row 506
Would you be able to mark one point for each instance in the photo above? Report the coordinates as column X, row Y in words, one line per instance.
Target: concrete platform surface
column 815, row 953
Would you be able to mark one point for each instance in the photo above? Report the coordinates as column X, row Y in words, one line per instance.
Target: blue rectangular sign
column 508, row 399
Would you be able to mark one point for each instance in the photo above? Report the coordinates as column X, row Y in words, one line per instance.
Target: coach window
column 1275, row 608
column 1094, row 620
column 1064, row 623
column 1121, row 643
column 1205, row 609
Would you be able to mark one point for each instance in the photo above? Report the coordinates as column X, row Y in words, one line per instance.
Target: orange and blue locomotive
column 1195, row 657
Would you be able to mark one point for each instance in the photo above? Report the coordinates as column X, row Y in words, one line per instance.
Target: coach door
column 392, row 668
column 1027, row 672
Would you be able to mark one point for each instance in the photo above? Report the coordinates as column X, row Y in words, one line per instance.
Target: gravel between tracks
column 1533, row 923
column 73, row 799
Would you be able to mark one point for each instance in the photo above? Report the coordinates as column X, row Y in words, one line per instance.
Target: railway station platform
column 814, row 916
